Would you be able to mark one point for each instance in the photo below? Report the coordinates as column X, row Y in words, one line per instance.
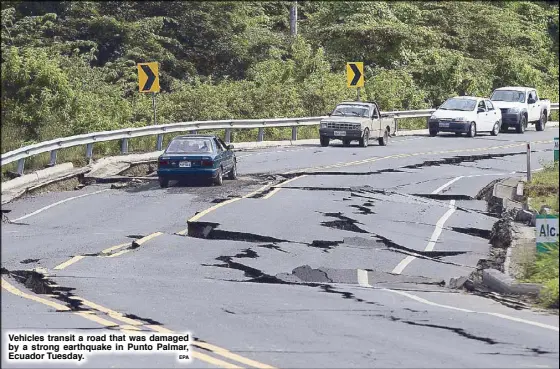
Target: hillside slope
column 70, row 67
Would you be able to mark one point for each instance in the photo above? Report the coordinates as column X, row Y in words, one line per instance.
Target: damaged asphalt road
column 302, row 272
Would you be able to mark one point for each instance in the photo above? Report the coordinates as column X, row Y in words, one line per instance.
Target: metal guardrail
column 89, row 139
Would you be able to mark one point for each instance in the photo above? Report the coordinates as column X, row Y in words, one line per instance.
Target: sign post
column 355, row 76
column 528, row 161
column 555, row 148
column 546, row 229
column 148, row 81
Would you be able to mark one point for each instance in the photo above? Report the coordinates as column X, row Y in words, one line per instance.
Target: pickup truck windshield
column 351, row 110
column 459, row 104
column 509, row 96
column 189, row 146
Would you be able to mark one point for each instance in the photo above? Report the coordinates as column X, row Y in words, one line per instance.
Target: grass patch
column 545, row 271
column 543, row 190
column 412, row 123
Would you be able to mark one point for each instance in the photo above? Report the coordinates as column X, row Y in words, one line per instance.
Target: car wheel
column 472, row 130
column 433, row 132
column 233, row 172
column 383, row 141
column 219, row 177
column 364, row 141
column 496, row 129
column 541, row 123
column 324, row 141
column 163, row 182
column 522, row 125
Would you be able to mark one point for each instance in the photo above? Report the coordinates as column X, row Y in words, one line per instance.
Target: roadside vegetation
column 543, row 190
column 69, row 67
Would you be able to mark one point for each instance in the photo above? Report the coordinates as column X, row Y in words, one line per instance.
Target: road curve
column 315, row 257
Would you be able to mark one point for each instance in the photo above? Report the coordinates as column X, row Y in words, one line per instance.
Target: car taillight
column 207, row 163
column 163, row 162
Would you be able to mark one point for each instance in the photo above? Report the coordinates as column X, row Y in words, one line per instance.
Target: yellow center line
column 55, row 305
column 147, row 238
column 113, row 248
column 69, row 262
column 217, row 206
column 371, row 160
column 279, row 187
column 113, row 314
column 139, row 242
column 218, row 350
column 119, row 253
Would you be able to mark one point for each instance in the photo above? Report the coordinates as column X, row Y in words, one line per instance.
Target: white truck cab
column 354, row 120
column 521, row 106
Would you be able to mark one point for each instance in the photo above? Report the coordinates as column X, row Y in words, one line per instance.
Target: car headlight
column 357, row 126
column 513, row 110
column 323, row 125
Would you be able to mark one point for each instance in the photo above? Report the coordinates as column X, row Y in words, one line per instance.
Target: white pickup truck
column 521, row 106
column 361, row 121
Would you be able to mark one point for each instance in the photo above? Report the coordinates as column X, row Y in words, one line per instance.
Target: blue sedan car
column 197, row 157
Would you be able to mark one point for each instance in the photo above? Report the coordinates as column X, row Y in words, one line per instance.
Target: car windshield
column 459, row 104
column 351, row 110
column 509, row 96
column 189, row 146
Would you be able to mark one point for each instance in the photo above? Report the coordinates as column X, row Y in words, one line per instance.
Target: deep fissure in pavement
column 38, row 283
column 343, row 223
column 477, row 232
column 428, row 163
column 460, row 331
column 41, row 285
column 29, row 261
column 443, row 197
column 208, row 230
column 363, row 209
column 145, row 320
column 272, row 246
column 325, row 245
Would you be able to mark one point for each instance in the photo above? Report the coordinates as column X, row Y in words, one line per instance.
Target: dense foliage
column 69, row 67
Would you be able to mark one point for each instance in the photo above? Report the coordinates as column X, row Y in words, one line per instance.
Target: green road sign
column 555, row 148
column 546, row 232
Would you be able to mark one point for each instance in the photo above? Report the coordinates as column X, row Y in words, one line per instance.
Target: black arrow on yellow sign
column 151, row 77
column 355, row 74
column 148, row 77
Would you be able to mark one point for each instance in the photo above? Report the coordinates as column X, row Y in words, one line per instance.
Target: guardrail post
column 294, row 133
column 20, row 166
column 53, row 158
column 261, row 134
column 159, row 143
column 228, row 135
column 89, row 151
column 124, row 146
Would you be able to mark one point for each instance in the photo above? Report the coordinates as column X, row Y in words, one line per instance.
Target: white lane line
column 58, row 203
column 499, row 315
column 433, row 239
column 364, row 282
column 446, row 185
